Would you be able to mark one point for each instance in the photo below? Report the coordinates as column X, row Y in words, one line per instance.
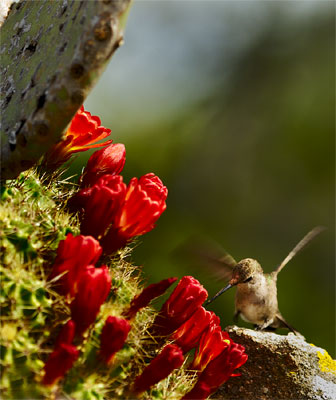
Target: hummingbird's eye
column 248, row 279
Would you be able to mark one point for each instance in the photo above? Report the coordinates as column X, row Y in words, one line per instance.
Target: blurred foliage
column 251, row 166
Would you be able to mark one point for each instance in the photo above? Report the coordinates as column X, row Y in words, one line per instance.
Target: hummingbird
column 256, row 296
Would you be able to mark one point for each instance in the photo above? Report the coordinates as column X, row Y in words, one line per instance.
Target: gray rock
column 280, row 367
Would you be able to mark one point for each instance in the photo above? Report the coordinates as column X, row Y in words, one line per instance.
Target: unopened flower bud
column 113, row 337
column 170, row 358
column 109, row 160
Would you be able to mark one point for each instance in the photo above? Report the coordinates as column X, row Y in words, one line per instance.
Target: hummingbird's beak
column 218, row 294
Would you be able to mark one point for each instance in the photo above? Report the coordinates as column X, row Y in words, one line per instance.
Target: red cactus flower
column 213, row 342
column 110, row 160
column 93, row 288
column 145, row 201
column 161, row 366
column 59, row 362
column 218, row 371
column 67, row 334
column 82, row 134
column 187, row 297
column 114, row 214
column 74, row 254
column 147, row 295
column 113, row 337
column 188, row 335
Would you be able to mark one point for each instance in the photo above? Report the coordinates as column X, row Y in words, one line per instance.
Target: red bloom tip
column 59, row 362
column 67, row 334
column 219, row 370
column 74, row 254
column 147, row 295
column 188, row 334
column 161, row 366
column 110, row 160
column 187, row 297
column 113, row 337
column 82, row 134
column 213, row 342
column 93, row 288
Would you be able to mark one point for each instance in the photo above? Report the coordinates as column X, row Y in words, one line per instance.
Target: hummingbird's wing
column 209, row 256
column 302, row 243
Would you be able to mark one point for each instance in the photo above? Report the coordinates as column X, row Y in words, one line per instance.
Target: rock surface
column 280, row 367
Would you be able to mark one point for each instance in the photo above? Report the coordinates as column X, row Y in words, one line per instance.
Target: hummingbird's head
column 244, row 271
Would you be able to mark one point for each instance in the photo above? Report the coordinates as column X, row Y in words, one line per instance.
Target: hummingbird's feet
column 264, row 326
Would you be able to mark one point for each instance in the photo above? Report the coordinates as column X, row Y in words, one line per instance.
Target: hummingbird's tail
column 302, row 243
column 282, row 323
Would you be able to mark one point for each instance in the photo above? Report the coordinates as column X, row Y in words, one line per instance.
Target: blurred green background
column 232, row 104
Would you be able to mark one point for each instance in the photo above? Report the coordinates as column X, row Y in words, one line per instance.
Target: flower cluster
column 111, row 214
column 182, row 319
column 86, row 288
column 185, row 321
column 216, row 355
column 110, row 210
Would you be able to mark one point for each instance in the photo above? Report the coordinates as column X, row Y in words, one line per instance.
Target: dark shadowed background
column 232, row 104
